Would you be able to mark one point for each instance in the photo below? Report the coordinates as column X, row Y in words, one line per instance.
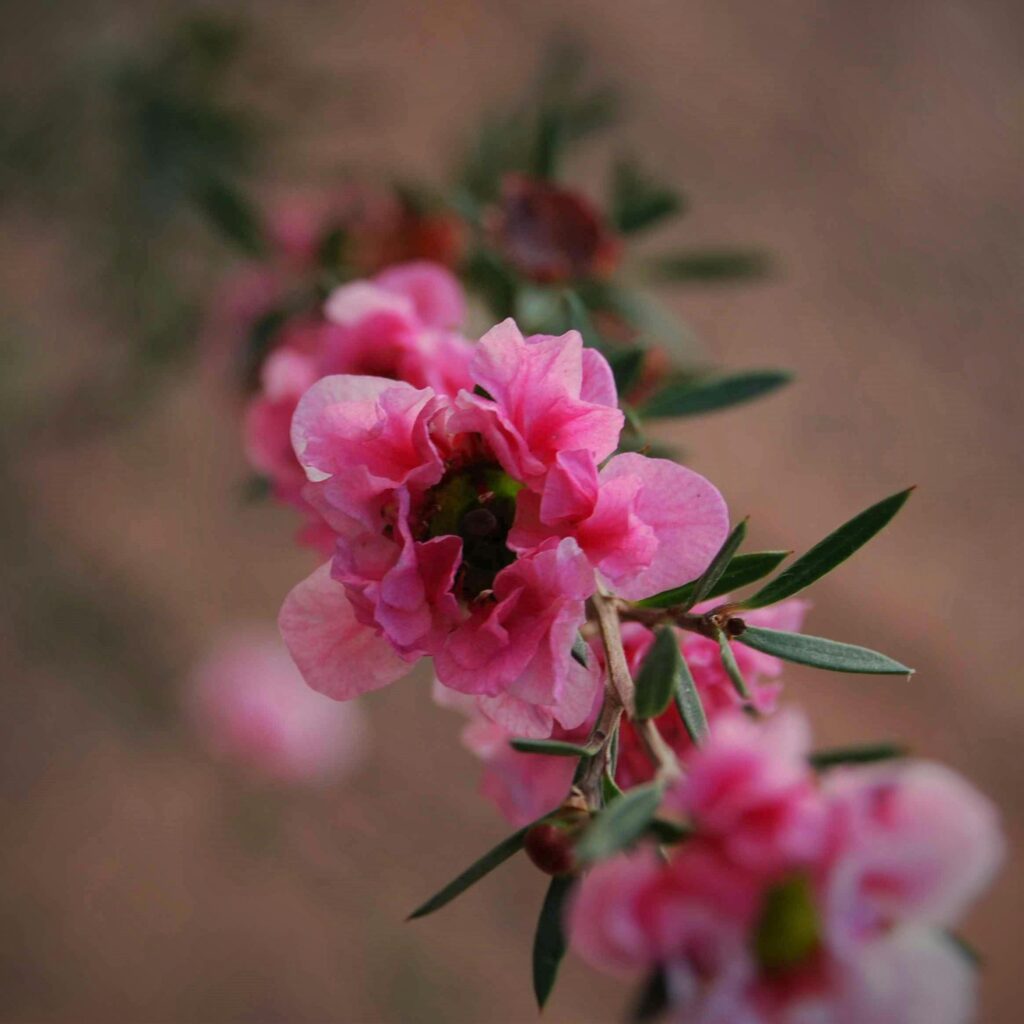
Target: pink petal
column 433, row 290
column 686, row 512
column 336, row 655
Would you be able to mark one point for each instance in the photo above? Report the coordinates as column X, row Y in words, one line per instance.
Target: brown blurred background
column 874, row 148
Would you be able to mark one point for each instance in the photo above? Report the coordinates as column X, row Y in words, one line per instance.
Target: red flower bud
column 550, row 234
column 550, row 845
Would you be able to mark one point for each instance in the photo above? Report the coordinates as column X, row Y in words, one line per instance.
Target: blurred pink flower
column 796, row 901
column 250, row 706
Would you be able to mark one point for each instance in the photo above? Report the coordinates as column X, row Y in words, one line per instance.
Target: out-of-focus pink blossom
column 915, row 843
column 794, row 901
column 751, row 790
column 251, row 706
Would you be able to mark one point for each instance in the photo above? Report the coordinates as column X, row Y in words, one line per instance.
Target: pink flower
column 547, row 395
column 400, row 326
column 751, row 790
column 793, row 901
column 917, row 843
column 250, row 705
column 645, row 524
column 427, row 497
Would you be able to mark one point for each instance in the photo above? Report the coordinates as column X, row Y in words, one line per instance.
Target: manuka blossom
column 427, row 494
column 401, row 325
column 525, row 786
column 796, row 901
column 250, row 706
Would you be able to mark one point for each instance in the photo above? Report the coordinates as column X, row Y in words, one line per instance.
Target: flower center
column 476, row 502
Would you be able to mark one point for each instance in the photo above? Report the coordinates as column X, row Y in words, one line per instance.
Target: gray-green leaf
column 484, row 866
column 818, row 652
column 867, row 754
column 830, row 552
column 622, row 822
column 691, row 710
column 742, row 570
column 709, row 394
column 549, row 942
column 554, row 748
column 659, row 675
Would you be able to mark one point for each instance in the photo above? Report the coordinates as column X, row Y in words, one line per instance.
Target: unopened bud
column 550, row 847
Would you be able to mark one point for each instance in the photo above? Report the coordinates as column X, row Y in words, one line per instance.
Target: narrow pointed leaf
column 609, row 790
column 709, row 394
column 691, row 710
column 555, row 748
column 828, row 553
column 668, row 832
column 742, row 571
column 730, row 666
column 818, row 652
column 638, row 202
column 713, row 573
column 867, row 754
column 484, row 866
column 652, row 999
column 626, row 365
column 549, row 942
column 620, row 823
column 580, row 651
column 659, row 675
column 710, row 266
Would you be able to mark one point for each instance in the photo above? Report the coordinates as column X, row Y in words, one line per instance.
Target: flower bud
column 550, row 846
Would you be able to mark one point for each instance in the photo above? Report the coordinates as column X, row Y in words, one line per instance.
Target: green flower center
column 477, row 503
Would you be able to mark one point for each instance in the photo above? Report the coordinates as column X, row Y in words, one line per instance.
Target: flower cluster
column 472, row 529
column 793, row 899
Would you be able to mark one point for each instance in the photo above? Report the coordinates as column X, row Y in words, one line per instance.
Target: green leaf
column 549, row 942
column 818, row 652
column 691, row 710
column 828, row 553
column 965, row 949
column 609, row 790
column 668, row 832
column 708, row 267
column 579, row 317
column 716, row 568
column 689, row 397
column 231, row 214
column 620, row 823
column 742, row 570
column 652, row 1000
column 555, row 748
column 659, row 675
column 626, row 365
column 730, row 666
column 484, row 866
column 580, row 651
column 255, row 488
column 638, row 202
column 867, row 754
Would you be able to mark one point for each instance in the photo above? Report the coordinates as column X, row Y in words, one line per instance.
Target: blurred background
column 873, row 149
